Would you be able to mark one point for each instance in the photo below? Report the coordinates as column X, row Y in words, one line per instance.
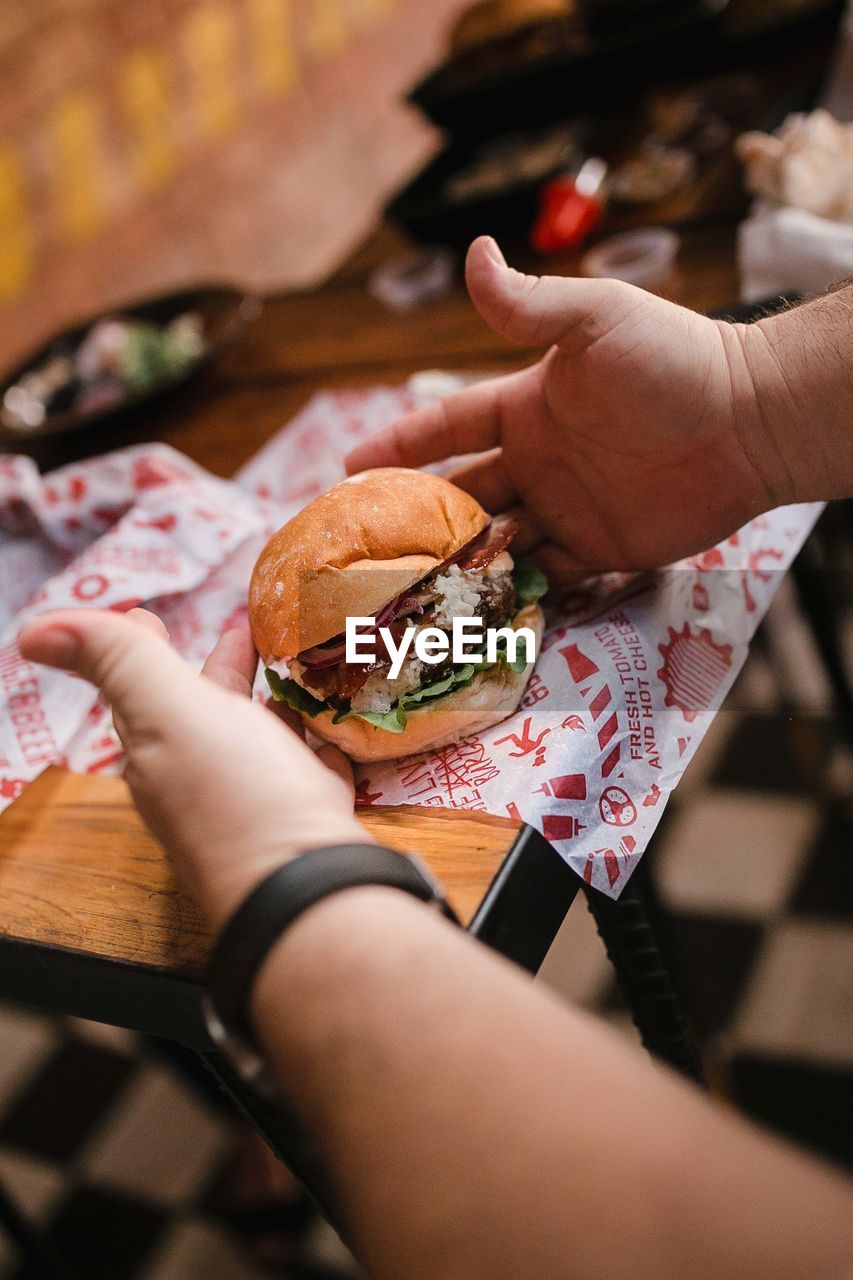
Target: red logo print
column 525, row 743
column 712, row 559
column 560, row 826
column 611, row 866
column 90, row 586
column 616, row 807
column 693, row 669
column 535, row 691
column 363, row 794
column 580, row 666
column 600, row 707
column 701, row 599
column 166, row 523
column 148, row 473
column 568, row 786
column 108, row 514
column 754, row 566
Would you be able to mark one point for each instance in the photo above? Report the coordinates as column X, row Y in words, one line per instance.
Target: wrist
column 347, row 939
column 764, row 415
column 291, row 898
column 220, row 889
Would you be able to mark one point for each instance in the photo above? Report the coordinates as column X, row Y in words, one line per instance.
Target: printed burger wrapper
column 630, row 674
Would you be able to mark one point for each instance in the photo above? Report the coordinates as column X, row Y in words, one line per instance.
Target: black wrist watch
column 269, row 910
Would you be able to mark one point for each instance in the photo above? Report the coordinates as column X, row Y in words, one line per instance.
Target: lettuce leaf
column 392, row 721
column 396, row 719
column 517, row 665
column 455, row 680
column 529, row 581
column 297, row 698
column 530, row 585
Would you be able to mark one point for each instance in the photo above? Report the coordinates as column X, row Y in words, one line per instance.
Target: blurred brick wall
column 145, row 144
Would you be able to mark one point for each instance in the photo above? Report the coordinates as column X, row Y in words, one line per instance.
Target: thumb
column 333, row 758
column 539, row 311
column 134, row 666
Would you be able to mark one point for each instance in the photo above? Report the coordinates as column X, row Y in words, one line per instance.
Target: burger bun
column 351, row 551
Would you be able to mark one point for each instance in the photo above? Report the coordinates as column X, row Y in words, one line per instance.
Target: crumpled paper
column 806, row 164
column 782, row 251
column 798, row 237
column 630, row 675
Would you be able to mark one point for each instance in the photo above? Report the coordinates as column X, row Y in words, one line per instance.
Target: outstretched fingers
column 539, row 311
column 139, row 673
column 560, row 566
column 469, row 421
column 486, row 480
column 233, row 662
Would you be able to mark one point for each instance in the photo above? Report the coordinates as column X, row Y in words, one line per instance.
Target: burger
column 404, row 550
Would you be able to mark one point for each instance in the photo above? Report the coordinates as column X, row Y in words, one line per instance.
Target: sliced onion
column 323, row 655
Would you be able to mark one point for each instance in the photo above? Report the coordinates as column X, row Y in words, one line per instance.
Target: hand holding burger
column 228, row 789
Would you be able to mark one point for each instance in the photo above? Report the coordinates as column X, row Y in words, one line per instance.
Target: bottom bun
column 489, row 698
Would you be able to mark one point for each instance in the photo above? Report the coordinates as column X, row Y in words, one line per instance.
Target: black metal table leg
column 523, row 910
column 282, row 1132
column 822, row 614
column 629, row 939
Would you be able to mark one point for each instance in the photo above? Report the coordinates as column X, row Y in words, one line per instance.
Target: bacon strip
column 498, row 537
column 344, row 679
column 341, row 681
column 325, row 672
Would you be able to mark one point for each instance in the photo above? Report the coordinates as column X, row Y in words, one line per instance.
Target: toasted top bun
column 488, row 699
column 352, row 550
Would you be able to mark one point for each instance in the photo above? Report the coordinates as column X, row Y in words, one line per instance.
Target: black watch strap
column 282, row 897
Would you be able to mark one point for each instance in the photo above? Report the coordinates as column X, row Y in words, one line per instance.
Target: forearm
column 801, row 366
column 475, row 1127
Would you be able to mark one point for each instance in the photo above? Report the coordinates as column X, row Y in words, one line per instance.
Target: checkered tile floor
column 115, row 1154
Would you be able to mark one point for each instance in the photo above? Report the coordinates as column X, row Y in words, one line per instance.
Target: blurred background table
column 339, row 335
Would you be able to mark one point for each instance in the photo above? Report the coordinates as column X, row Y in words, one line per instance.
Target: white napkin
column 784, row 250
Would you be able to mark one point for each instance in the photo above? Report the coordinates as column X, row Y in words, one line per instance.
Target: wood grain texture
column 78, row 869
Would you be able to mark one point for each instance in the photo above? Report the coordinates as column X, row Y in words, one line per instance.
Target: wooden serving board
column 79, row 870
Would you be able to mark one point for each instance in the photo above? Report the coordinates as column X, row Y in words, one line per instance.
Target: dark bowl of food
column 108, row 365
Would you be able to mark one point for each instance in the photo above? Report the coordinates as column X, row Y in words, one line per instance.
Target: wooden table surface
column 77, row 868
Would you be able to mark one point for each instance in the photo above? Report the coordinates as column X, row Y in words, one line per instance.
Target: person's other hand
column 634, row 441
column 229, row 789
